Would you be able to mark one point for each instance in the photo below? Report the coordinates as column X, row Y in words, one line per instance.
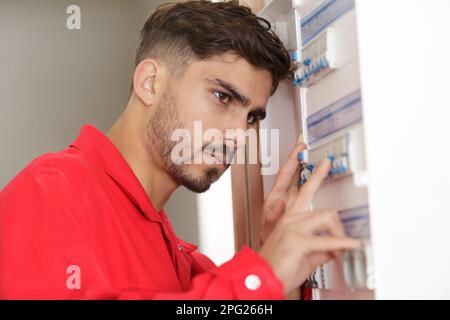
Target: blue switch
column 331, row 158
column 316, row 68
column 335, row 171
column 322, row 64
column 307, row 61
column 341, row 170
column 301, row 156
column 294, row 56
column 310, row 167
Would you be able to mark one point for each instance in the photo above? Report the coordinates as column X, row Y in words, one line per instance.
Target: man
column 88, row 222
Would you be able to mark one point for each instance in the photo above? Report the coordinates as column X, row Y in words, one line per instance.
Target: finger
column 295, row 181
column 271, row 215
column 330, row 244
column 275, row 211
column 309, row 189
column 293, row 188
column 323, row 221
column 289, row 171
column 319, row 258
column 337, row 255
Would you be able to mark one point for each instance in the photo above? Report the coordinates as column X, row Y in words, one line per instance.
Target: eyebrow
column 231, row 90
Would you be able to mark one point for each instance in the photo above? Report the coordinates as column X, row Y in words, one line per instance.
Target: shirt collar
column 99, row 150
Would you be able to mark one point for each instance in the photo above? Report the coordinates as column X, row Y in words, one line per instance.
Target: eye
column 251, row 119
column 222, row 97
column 254, row 116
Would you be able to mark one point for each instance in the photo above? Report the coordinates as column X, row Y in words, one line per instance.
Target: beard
column 159, row 130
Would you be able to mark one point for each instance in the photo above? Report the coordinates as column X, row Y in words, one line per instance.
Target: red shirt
column 77, row 224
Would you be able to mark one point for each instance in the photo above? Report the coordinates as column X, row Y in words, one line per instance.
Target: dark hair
column 202, row 29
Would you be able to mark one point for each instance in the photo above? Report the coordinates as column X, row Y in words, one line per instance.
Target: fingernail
column 303, row 145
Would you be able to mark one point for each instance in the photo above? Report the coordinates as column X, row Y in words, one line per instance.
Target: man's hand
column 283, row 193
column 301, row 240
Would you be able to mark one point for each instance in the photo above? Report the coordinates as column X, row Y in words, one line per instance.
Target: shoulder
column 66, row 162
column 51, row 173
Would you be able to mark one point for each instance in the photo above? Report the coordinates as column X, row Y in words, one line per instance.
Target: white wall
column 53, row 80
column 215, row 215
column 404, row 52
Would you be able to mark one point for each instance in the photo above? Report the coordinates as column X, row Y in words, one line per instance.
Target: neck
column 130, row 139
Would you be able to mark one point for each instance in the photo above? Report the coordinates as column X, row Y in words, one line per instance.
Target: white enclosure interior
column 369, row 91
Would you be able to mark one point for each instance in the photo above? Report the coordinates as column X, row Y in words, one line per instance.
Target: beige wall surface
column 54, row 80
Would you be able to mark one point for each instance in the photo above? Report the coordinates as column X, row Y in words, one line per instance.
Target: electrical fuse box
column 339, row 46
column 333, row 127
column 358, row 265
column 355, row 271
column 319, row 59
column 319, row 55
column 336, row 132
column 337, row 151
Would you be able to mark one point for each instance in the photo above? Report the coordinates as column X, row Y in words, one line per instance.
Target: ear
column 147, row 79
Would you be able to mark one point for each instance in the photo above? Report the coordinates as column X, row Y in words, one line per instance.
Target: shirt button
column 252, row 282
column 179, row 247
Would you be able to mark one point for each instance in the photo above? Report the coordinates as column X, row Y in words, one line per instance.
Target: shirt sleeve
column 41, row 236
column 245, row 277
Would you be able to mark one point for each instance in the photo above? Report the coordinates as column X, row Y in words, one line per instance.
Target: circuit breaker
column 329, row 104
column 370, row 92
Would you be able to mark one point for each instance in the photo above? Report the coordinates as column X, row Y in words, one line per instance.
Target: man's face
column 221, row 93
